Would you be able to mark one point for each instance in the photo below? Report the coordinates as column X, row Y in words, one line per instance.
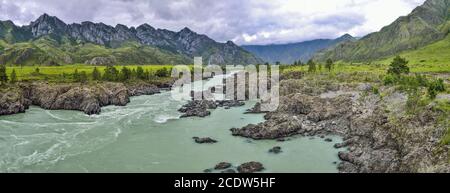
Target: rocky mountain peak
column 231, row 43
column 186, row 30
column 345, row 37
column 146, row 27
column 46, row 24
column 121, row 27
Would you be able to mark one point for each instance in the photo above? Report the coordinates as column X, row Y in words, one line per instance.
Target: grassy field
column 378, row 68
column 54, row 72
column 432, row 58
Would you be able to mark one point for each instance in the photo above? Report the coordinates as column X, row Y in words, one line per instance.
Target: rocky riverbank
column 88, row 98
column 379, row 136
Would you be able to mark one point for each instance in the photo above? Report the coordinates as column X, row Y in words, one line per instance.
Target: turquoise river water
column 147, row 135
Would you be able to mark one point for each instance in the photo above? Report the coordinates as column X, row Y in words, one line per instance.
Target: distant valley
column 290, row 53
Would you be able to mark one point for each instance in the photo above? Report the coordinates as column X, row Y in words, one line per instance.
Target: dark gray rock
column 250, row 167
column 222, row 166
column 204, row 140
column 275, row 150
column 197, row 108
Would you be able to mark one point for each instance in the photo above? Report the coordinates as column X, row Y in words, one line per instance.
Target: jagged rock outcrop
column 102, row 61
column 138, row 89
column 378, row 137
column 12, row 101
column 300, row 114
column 86, row 98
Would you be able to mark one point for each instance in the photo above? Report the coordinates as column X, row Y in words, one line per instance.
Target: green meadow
column 53, row 73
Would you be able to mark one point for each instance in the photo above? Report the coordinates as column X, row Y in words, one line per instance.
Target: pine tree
column 329, row 65
column 3, row 75
column 163, row 72
column 311, row 66
column 76, row 76
column 125, row 74
column 83, row 78
column 96, row 74
column 147, row 75
column 140, row 73
column 111, row 73
column 13, row 76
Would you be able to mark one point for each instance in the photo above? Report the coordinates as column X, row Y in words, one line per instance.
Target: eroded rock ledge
column 377, row 136
column 87, row 98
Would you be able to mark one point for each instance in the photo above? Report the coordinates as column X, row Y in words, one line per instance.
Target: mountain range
column 50, row 41
column 425, row 25
column 289, row 53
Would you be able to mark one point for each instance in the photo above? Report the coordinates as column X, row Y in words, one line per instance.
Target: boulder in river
column 197, row 108
column 250, row 167
column 275, row 150
column 222, row 166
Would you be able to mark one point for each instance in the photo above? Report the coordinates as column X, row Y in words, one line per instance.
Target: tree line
column 110, row 73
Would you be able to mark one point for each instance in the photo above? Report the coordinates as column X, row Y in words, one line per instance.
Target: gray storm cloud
column 245, row 22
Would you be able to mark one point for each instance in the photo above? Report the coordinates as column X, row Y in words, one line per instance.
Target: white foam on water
column 117, row 132
column 164, row 118
column 54, row 116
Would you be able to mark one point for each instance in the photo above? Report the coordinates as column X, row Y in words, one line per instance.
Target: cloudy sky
column 242, row 21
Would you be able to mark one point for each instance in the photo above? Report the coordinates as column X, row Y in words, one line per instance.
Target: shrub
column 415, row 101
column 389, row 80
column 375, row 90
column 398, row 66
column 434, row 87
